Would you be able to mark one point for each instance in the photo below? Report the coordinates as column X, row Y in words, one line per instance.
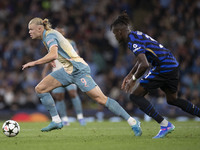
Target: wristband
column 134, row 78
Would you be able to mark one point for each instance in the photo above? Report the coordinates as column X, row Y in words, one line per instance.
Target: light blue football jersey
column 67, row 56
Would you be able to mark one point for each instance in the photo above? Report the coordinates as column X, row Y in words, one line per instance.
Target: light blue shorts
column 62, row 89
column 71, row 87
column 81, row 78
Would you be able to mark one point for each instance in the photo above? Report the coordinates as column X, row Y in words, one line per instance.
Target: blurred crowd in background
column 174, row 23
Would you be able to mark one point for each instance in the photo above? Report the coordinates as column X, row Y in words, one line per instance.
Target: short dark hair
column 121, row 19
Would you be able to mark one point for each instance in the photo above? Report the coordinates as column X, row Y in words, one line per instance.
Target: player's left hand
column 30, row 64
column 130, row 84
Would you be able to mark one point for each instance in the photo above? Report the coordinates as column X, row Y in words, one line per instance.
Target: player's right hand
column 27, row 65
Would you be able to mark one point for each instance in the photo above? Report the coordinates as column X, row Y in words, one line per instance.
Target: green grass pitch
column 103, row 136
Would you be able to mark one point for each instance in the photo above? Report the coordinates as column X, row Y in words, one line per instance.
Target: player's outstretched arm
column 138, row 70
column 129, row 76
column 143, row 65
column 28, row 65
column 52, row 55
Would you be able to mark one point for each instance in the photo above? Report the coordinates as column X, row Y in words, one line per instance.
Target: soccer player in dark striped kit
column 163, row 73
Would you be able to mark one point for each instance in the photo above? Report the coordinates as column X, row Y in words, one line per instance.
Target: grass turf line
column 102, row 136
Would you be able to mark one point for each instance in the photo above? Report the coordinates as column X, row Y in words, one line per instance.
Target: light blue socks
column 49, row 103
column 114, row 107
column 61, row 107
column 77, row 105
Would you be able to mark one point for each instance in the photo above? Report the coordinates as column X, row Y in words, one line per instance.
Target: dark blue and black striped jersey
column 160, row 57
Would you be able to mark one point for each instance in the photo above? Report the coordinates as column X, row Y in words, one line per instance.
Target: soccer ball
column 10, row 128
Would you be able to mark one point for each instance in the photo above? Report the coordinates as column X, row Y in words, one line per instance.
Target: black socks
column 146, row 107
column 186, row 106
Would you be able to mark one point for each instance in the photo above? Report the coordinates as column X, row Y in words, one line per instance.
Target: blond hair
column 39, row 21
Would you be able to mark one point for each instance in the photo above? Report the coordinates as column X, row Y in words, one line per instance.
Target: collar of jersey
column 44, row 34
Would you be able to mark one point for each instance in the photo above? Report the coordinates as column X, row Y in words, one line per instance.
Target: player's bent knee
column 171, row 100
column 39, row 89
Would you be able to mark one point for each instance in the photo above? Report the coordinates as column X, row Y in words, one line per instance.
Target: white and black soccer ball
column 10, row 128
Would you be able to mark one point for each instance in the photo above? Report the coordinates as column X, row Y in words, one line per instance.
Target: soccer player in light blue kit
column 59, row 93
column 75, row 70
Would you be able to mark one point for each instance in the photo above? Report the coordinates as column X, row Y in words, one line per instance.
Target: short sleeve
column 51, row 40
column 136, row 48
column 136, row 45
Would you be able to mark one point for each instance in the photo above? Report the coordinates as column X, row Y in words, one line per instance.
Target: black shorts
column 154, row 80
